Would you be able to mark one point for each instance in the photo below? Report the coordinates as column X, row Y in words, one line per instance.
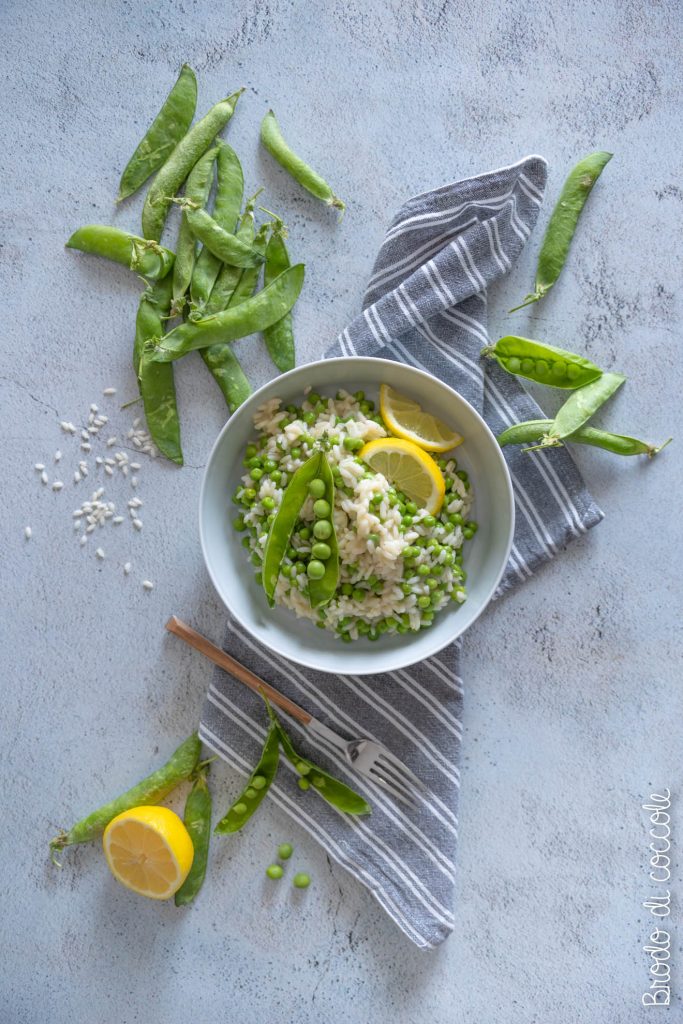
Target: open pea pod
column 618, row 444
column 321, row 591
column 283, row 525
column 542, row 363
column 335, row 792
column 256, row 788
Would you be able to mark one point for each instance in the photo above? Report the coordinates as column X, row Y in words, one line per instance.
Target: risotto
column 399, row 565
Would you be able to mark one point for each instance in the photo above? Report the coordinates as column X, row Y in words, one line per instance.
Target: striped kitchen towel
column 426, row 306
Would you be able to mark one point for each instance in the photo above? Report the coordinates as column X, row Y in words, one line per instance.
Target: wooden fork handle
column 234, row 668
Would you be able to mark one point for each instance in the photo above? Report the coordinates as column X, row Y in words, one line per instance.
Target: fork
column 366, row 756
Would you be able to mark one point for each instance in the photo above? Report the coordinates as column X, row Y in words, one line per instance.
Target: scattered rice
column 28, row 532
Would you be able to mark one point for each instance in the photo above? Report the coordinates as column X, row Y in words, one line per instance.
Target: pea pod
column 335, row 792
column 220, row 358
column 582, row 404
column 150, row 791
column 256, row 788
column 197, row 819
column 248, row 280
column 254, row 314
column 279, row 337
column 562, row 224
column 283, row 525
column 272, row 139
column 618, row 444
column 156, row 380
column 228, row 276
column 226, row 246
column 320, row 591
column 197, row 190
column 542, row 363
column 226, row 208
column 143, row 255
column 179, row 164
column 163, row 135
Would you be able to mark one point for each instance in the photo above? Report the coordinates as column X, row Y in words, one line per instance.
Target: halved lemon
column 149, row 850
column 409, row 468
column 406, row 419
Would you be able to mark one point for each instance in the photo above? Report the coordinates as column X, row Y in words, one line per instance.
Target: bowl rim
column 408, row 659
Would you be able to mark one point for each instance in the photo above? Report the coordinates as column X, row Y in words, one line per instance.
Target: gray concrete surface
column 573, row 683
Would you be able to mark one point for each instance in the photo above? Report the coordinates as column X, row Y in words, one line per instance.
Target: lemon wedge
column 406, row 419
column 409, row 468
column 149, row 850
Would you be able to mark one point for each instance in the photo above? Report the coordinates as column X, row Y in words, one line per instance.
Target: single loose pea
column 358, row 594
column 238, row 523
column 316, row 488
column 309, row 418
column 321, row 509
column 256, row 473
column 300, row 568
column 424, row 601
column 274, row 871
column 303, row 784
column 295, row 453
column 423, row 570
column 275, row 475
column 353, row 444
column 346, row 589
column 359, row 396
column 285, row 851
column 406, row 520
column 258, row 782
column 305, row 533
column 321, row 551
column 268, row 503
column 322, row 530
column 315, row 569
column 251, row 450
column 429, row 522
column 411, row 508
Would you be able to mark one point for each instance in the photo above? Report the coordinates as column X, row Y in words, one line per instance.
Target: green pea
column 295, row 453
column 382, row 626
column 258, row 782
column 514, row 365
column 542, row 368
column 274, row 871
column 246, row 542
column 269, row 465
column 456, row 519
column 250, row 793
column 322, row 529
column 313, row 397
column 424, row 601
column 256, row 473
column 301, row 880
column 406, row 588
column 528, row 366
column 463, row 475
column 359, row 395
column 303, row 768
column 353, row 444
column 367, row 407
column 376, row 499
column 268, row 503
column 429, row 522
column 346, row 589
column 292, row 410
column 305, row 533
column 362, row 627
column 275, row 475
column 437, row 570
column 321, row 551
column 292, row 554
column 559, row 369
column 285, row 851
column 309, row 418
column 248, row 495
column 300, row 568
column 250, row 451
column 321, row 509
column 467, row 533
column 238, row 523
column 411, row 508
column 256, row 559
column 240, row 808
column 573, row 371
column 432, row 583
column 407, row 521
column 315, row 569
column 303, row 784
column 423, row 569
column 316, row 488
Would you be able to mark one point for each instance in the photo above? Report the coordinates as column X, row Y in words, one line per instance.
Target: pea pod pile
column 211, row 281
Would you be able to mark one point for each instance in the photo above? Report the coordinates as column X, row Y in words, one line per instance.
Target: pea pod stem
column 150, row 790
column 163, row 135
column 272, row 139
column 254, row 314
column 563, row 223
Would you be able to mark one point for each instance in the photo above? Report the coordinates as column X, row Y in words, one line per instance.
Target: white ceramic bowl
column 298, row 639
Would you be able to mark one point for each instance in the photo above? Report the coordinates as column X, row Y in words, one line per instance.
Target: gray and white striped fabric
column 426, row 306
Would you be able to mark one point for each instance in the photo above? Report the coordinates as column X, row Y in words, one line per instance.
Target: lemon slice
column 406, row 419
column 149, row 850
column 409, row 468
